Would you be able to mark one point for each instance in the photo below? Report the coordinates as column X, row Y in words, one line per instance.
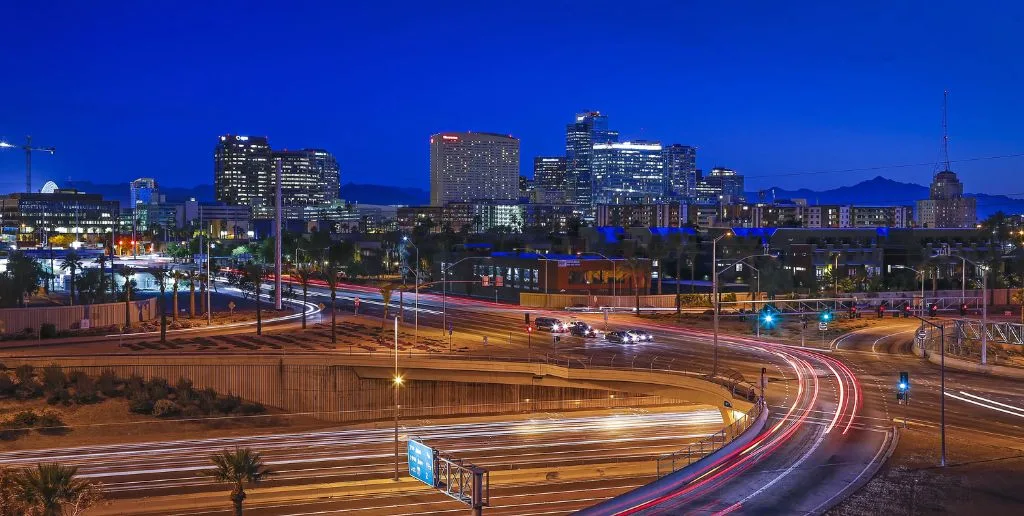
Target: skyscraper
column 580, row 136
column 721, row 186
column 627, row 173
column 946, row 206
column 550, row 181
column 143, row 191
column 242, row 170
column 309, row 177
column 468, row 167
column 680, row 170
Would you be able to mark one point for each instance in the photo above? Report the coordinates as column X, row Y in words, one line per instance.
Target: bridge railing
column 672, row 462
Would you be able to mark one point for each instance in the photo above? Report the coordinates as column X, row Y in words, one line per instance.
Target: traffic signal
column 768, row 318
column 853, row 311
column 903, row 387
column 963, row 309
column 906, row 310
column 527, row 315
column 933, row 309
column 825, row 315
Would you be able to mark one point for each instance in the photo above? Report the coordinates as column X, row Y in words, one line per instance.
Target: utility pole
column 28, row 148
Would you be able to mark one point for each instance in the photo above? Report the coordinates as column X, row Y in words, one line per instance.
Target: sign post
column 455, row 478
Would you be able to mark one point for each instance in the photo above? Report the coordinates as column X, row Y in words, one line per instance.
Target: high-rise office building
column 550, row 181
column 627, row 173
column 309, row 177
column 580, row 137
column 680, row 170
column 468, row 167
column 242, row 171
column 721, row 186
column 946, row 206
column 144, row 191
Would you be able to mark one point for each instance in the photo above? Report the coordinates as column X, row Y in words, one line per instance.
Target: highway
column 544, row 441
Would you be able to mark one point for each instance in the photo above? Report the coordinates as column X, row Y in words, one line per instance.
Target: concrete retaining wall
column 14, row 320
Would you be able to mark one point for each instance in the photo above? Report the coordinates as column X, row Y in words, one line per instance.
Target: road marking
column 986, row 404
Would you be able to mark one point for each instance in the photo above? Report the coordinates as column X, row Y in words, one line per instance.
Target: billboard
column 421, row 462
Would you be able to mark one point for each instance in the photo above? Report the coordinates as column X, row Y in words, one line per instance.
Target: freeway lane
column 547, row 441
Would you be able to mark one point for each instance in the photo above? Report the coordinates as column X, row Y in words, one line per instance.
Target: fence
column 677, row 460
column 663, row 302
column 963, row 340
column 71, row 317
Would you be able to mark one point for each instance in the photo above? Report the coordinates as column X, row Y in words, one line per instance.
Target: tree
column 239, row 467
column 160, row 275
column 305, row 273
column 176, row 277
column 21, row 278
column 71, row 263
column 658, row 250
column 101, row 290
column 127, row 272
column 192, row 276
column 386, row 290
column 636, row 271
column 52, row 490
column 253, row 275
column 329, row 273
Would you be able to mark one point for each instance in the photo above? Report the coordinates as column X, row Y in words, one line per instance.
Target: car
column 640, row 335
column 620, row 336
column 581, row 329
column 551, row 324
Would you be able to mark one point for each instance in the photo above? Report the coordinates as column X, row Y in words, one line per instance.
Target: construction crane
column 28, row 148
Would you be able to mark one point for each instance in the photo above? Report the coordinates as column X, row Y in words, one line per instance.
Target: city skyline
column 761, row 105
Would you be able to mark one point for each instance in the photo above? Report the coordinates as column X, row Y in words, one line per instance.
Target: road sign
column 822, row 326
column 499, row 281
column 485, row 281
column 422, row 462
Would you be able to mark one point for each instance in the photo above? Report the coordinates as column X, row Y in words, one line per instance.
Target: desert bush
column 250, row 409
column 157, row 388
column 107, row 383
column 85, row 389
column 6, row 385
column 141, row 405
column 165, row 408
column 47, row 331
column 23, row 419
column 24, row 373
column 50, row 422
column 54, row 378
column 227, row 404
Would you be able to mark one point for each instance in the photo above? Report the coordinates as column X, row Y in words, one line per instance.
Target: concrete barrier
column 969, row 366
column 13, row 320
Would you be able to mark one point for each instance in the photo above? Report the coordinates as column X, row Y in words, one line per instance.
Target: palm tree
column 193, row 277
column 176, row 277
column 127, row 273
column 305, row 273
column 658, row 250
column 52, row 490
column 238, row 468
column 254, row 275
column 329, row 273
column 636, row 272
column 385, row 294
column 71, row 263
column 101, row 290
column 7, row 492
column 160, row 275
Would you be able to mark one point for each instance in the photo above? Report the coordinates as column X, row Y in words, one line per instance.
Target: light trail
column 987, row 403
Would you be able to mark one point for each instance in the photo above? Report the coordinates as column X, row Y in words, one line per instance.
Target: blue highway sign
column 421, row 462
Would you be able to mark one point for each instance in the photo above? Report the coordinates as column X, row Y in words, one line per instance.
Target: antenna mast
column 945, row 133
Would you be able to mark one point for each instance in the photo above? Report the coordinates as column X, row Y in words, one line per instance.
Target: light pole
column 835, row 275
column 714, row 282
column 606, row 258
column 921, row 272
column 398, row 383
column 416, row 303
column 984, row 304
column 444, row 290
column 209, row 284
column 714, row 299
column 942, row 387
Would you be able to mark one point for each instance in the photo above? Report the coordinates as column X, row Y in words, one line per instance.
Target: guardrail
column 672, row 462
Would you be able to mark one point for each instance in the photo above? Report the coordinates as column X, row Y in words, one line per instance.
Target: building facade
column 946, row 206
column 721, row 185
column 627, row 173
column 471, row 167
column 35, row 217
column 242, row 170
column 309, row 177
column 680, row 168
column 551, row 180
column 671, row 215
column 588, row 129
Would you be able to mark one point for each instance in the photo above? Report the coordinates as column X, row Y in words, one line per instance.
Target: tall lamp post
column 921, row 273
column 444, row 289
column 714, row 299
column 209, row 284
column 397, row 383
column 416, row 303
column 714, row 282
column 984, row 304
column 606, row 258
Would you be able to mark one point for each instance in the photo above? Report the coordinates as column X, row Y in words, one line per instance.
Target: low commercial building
column 34, row 217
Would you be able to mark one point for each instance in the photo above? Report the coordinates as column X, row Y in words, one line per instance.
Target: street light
column 444, row 289
column 397, row 383
column 921, row 272
column 984, row 304
column 714, row 299
column 416, row 303
column 606, row 258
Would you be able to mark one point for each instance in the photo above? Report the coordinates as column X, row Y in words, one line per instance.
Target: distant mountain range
column 877, row 191
column 884, row 192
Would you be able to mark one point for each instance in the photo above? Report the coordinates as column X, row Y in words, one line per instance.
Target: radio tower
column 945, row 133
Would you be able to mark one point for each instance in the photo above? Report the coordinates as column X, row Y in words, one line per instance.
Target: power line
column 885, row 167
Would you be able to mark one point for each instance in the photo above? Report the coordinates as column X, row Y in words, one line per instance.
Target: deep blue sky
column 143, row 88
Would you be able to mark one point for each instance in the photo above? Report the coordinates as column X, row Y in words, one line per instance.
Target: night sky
column 143, row 88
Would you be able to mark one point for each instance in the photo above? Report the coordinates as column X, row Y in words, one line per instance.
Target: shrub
column 141, row 405
column 107, row 383
column 165, row 408
column 249, row 409
column 24, row 373
column 6, row 384
column 134, row 387
column 28, row 389
column 184, row 388
column 227, row 404
column 59, row 396
column 85, row 389
column 54, row 378
column 50, row 422
column 192, row 412
column 157, row 388
column 47, row 331
column 23, row 419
